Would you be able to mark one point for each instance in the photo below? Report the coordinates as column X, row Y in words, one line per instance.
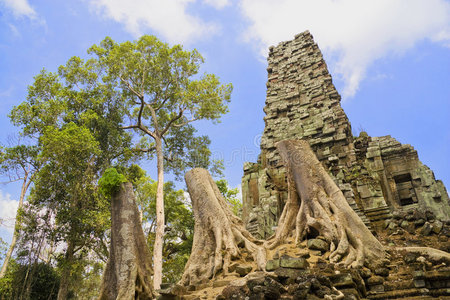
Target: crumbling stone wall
column 375, row 174
column 404, row 181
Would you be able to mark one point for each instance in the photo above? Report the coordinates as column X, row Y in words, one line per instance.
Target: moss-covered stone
column 293, row 262
column 272, row 265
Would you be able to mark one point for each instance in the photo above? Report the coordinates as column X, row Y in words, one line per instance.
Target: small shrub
column 110, row 182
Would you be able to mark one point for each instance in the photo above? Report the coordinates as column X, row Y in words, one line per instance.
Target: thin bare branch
column 171, row 122
column 185, row 123
column 130, row 127
column 131, row 88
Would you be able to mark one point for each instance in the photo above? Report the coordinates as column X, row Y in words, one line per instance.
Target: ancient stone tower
column 376, row 174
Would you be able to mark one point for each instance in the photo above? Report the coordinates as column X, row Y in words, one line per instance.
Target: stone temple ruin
column 326, row 215
column 376, row 174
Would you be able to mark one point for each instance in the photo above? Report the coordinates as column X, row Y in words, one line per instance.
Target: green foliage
column 230, row 195
column 19, row 284
column 70, row 149
column 44, row 107
column 16, row 160
column 185, row 151
column 110, row 182
column 352, row 174
column 3, row 248
column 65, row 191
column 87, row 273
column 132, row 173
column 73, row 121
column 160, row 93
column 66, row 182
column 6, row 283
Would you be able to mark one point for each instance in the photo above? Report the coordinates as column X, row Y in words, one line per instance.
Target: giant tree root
column 433, row 255
column 317, row 206
column 218, row 234
column 128, row 272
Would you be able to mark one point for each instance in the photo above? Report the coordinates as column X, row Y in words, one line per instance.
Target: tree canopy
column 161, row 94
column 125, row 102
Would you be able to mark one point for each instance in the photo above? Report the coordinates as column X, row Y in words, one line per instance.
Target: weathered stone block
column 317, row 244
column 437, row 226
column 272, row 265
column 293, row 262
column 243, row 270
column 289, row 273
column 382, row 272
column 419, row 283
column 426, row 229
column 342, row 280
column 375, row 280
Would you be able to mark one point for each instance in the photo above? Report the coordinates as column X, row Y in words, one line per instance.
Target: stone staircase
column 418, row 285
column 376, row 216
column 363, row 216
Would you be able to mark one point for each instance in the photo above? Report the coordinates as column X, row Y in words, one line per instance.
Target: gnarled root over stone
column 219, row 236
column 433, row 255
column 128, row 272
column 317, row 206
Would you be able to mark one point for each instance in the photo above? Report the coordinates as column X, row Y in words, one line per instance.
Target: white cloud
column 20, row 8
column 218, row 4
column 168, row 18
column 15, row 32
column 8, row 209
column 354, row 32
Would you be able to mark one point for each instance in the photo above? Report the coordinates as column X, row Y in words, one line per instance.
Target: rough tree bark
column 218, row 234
column 128, row 272
column 317, row 206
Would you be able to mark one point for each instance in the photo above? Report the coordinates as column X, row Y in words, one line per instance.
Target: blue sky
column 390, row 61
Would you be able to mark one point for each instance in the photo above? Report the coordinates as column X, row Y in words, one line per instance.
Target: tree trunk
column 25, row 185
column 219, row 236
column 316, row 206
column 159, row 234
column 65, row 275
column 128, row 271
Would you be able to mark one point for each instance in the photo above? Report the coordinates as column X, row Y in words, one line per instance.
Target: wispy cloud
column 169, row 18
column 20, row 8
column 354, row 32
column 8, row 209
column 15, row 32
column 218, row 4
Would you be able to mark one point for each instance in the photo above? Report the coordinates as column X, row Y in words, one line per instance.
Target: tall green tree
column 18, row 163
column 161, row 94
column 73, row 124
column 179, row 224
column 66, row 186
